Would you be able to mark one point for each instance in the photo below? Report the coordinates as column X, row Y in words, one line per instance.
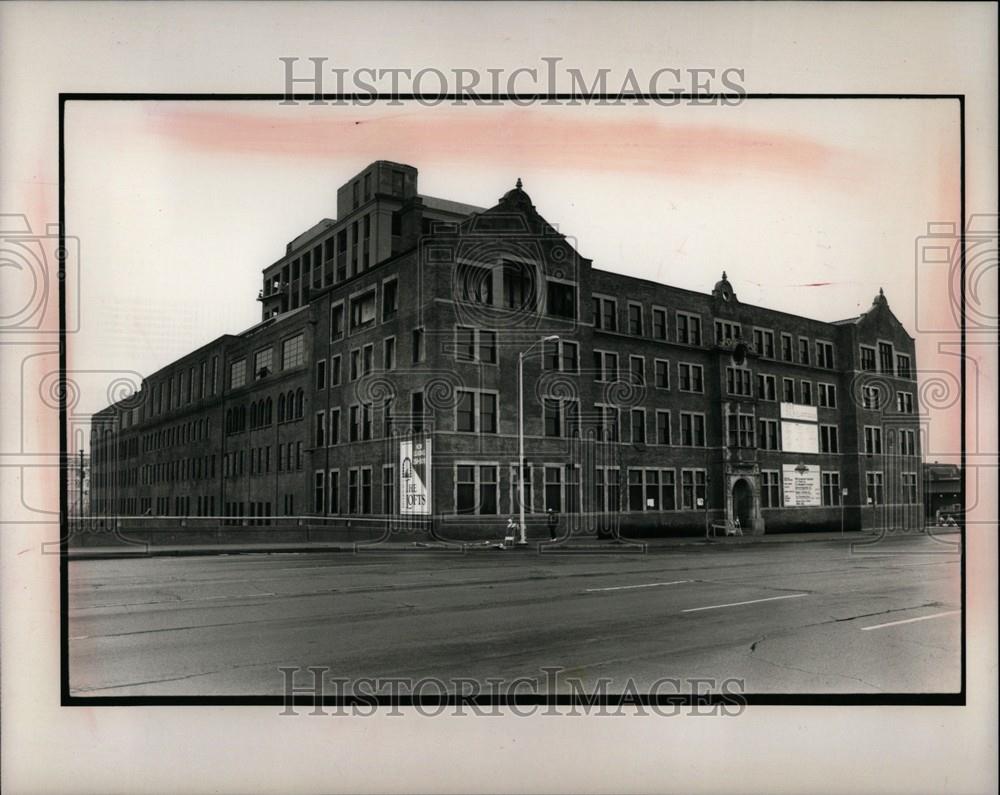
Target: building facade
column 404, row 325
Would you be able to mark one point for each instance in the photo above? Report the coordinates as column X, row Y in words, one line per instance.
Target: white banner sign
column 801, row 486
column 799, row 437
column 415, row 477
column 798, row 412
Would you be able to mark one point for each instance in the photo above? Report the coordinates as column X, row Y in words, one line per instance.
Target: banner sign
column 799, row 412
column 799, row 437
column 415, row 477
column 801, row 486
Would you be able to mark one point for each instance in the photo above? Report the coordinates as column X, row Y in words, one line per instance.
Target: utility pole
column 79, row 499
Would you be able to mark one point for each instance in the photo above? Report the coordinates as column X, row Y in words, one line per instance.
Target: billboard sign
column 801, row 486
column 415, row 476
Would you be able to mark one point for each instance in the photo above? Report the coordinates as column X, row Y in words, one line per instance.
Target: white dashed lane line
column 630, row 587
column 912, row 620
column 750, row 602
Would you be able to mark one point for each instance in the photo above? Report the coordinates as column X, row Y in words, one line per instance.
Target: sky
column 810, row 206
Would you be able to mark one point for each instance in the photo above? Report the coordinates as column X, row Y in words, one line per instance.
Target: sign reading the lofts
column 415, row 476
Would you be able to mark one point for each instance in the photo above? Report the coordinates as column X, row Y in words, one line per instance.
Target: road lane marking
column 911, row 620
column 645, row 585
column 751, row 602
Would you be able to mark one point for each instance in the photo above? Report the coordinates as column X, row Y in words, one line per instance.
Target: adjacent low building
column 381, row 390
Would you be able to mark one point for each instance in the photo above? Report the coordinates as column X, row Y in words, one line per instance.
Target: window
column 828, row 439
column 335, row 370
column 637, row 369
column 352, row 491
column 389, row 353
column 319, row 492
column 827, row 395
column 321, row 374
column 238, row 374
column 692, row 429
column 606, row 365
column 689, row 378
column 361, row 422
column 824, row 354
column 867, row 358
column 688, row 329
column 333, row 506
column 561, row 299
column 476, row 489
column 644, row 489
column 609, row 427
column 767, row 434
column 418, row 345
column 788, row 390
column 727, row 332
column 786, row 347
column 770, row 493
column 518, row 285
column 766, row 389
column 692, row 489
column 904, row 402
column 262, row 362
column 635, row 319
column 320, row 429
column 803, row 350
column 741, row 430
column 292, row 352
column 389, row 504
column 605, row 313
column 366, row 490
column 907, row 442
column 831, row 488
column 561, row 355
column 661, row 374
column 886, row 360
column 738, row 381
column 763, row 342
column 663, row 427
column 368, row 358
column 807, row 393
column 336, row 322
column 606, row 484
column 638, row 426
column 874, row 488
column 390, row 298
column 475, row 345
column 903, row 366
column 363, row 310
column 333, row 436
column 472, row 407
column 909, row 482
column 659, row 323
column 476, row 284
column 355, row 373
column 561, row 417
column 873, row 440
column 515, row 503
column 871, row 397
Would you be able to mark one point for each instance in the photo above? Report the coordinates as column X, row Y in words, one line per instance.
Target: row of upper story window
column 260, row 413
column 195, row 468
column 292, row 352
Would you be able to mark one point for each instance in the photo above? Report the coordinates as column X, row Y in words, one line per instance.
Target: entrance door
column 743, row 503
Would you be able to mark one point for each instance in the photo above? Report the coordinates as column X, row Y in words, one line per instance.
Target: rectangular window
column 886, row 359
column 487, row 412
column 803, row 350
column 874, row 488
column 560, row 299
column 335, row 371
column 661, row 373
column 390, row 299
column 321, row 374
column 689, row 378
column 904, row 402
column 471, row 406
column 319, row 492
column 873, row 440
column 389, row 504
column 319, row 430
column 831, row 488
column 355, row 423
column 738, row 381
column 609, row 427
column 659, row 323
column 355, row 364
column 766, row 389
column 605, row 313
column 606, row 482
column 263, row 362
column 389, row 353
column 418, row 345
column 727, row 332
column 871, row 398
column 763, row 342
column 293, row 352
column 907, row 442
column 476, row 489
column 788, row 390
column 807, row 393
column 767, row 434
column 337, row 322
column 417, row 411
column 867, row 358
column 363, row 310
column 606, row 366
column 553, row 488
column 827, row 394
column 663, row 427
column 368, row 359
column 476, row 284
column 909, row 483
column 692, row 429
column 635, row 319
column 638, row 426
column 786, row 347
column 903, row 366
column 518, row 285
column 741, row 430
column 824, row 354
column 688, row 328
column 692, row 489
column 333, row 506
column 770, row 494
column 238, row 374
column 637, row 369
column 333, row 435
column 366, row 490
column 829, row 442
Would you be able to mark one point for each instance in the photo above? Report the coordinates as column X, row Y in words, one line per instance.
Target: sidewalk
column 586, row 544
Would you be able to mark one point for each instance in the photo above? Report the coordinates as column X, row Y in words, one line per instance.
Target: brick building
column 647, row 408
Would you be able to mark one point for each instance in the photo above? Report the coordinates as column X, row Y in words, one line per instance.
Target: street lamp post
column 522, row 533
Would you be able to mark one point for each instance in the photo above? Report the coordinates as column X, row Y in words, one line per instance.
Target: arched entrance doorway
column 743, row 503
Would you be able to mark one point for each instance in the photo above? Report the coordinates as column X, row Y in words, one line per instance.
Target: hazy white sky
column 809, row 205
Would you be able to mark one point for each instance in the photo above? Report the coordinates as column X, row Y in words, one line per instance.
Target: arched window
column 300, row 404
column 243, row 418
column 253, row 414
column 229, row 421
column 290, row 410
column 281, row 407
column 267, row 411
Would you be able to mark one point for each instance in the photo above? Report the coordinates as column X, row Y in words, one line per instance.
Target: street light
column 522, row 535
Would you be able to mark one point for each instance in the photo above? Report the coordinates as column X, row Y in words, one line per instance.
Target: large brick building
column 657, row 409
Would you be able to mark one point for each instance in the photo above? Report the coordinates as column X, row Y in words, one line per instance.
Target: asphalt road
column 813, row 617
